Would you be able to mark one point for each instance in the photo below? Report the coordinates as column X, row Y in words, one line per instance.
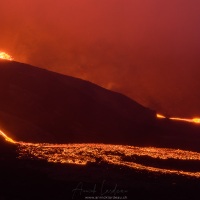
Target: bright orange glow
column 81, row 154
column 194, row 120
column 160, row 116
column 6, row 137
column 5, row 56
column 181, row 119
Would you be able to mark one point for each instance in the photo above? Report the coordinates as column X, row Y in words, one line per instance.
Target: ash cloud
column 145, row 49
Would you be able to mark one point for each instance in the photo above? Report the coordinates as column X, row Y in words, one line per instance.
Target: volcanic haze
column 146, row 49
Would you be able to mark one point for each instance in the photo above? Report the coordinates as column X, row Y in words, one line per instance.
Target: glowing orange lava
column 81, row 154
column 6, row 137
column 160, row 116
column 194, row 120
column 5, row 56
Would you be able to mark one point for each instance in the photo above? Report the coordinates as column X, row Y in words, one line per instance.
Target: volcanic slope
column 38, row 105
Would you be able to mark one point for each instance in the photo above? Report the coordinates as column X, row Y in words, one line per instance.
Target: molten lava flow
column 194, row 120
column 7, row 138
column 5, row 56
column 160, row 116
column 82, row 154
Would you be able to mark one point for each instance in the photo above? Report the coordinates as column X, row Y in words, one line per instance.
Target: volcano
column 37, row 105
column 42, row 106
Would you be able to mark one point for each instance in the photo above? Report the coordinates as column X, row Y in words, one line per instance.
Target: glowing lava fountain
column 5, row 56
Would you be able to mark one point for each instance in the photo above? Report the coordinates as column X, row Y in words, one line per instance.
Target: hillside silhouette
column 38, row 105
column 43, row 106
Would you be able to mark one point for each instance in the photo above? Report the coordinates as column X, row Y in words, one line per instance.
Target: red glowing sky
column 146, row 49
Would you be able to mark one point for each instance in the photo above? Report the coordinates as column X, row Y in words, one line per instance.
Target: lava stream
column 194, row 120
column 7, row 138
column 81, row 154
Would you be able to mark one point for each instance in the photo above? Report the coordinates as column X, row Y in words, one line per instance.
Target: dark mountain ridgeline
column 43, row 106
column 37, row 105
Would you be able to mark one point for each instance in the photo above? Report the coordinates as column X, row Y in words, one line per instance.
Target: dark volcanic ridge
column 40, row 105
column 37, row 105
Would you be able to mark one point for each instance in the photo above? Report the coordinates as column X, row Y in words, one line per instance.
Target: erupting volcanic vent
column 5, row 56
